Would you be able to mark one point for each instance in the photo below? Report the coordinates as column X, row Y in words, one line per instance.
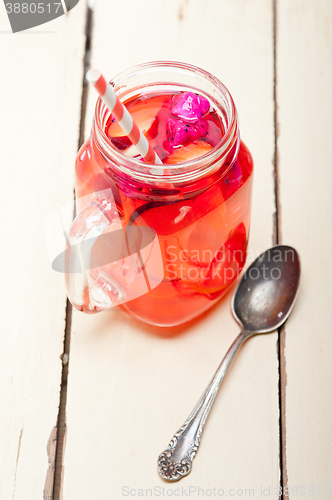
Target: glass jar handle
column 89, row 287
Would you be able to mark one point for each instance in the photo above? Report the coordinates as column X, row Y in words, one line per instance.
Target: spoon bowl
column 267, row 292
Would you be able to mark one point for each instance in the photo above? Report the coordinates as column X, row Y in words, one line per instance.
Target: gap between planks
column 276, row 241
column 61, row 423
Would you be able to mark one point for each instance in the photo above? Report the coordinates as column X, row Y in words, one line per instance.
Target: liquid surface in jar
column 179, row 126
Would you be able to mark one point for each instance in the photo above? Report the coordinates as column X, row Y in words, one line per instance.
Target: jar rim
column 197, row 166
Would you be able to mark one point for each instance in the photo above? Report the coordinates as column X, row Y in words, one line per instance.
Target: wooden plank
column 304, row 74
column 130, row 385
column 40, row 97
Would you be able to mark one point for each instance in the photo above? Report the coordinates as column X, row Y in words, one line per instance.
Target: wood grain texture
column 40, row 96
column 130, row 385
column 304, row 71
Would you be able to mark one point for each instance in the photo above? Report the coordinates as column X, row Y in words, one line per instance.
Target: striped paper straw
column 124, row 118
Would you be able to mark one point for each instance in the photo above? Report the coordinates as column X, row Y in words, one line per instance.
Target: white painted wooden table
column 128, row 387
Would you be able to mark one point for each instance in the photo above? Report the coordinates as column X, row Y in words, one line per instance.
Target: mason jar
column 165, row 244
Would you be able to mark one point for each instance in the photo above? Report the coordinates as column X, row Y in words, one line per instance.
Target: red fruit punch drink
column 198, row 202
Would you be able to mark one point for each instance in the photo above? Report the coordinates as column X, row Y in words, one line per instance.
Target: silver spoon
column 262, row 302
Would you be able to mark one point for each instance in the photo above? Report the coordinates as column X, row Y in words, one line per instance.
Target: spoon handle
column 175, row 462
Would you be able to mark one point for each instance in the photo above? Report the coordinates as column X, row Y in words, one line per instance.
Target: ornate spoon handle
column 175, row 462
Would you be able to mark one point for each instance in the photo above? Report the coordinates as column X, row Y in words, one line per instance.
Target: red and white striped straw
column 124, row 118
